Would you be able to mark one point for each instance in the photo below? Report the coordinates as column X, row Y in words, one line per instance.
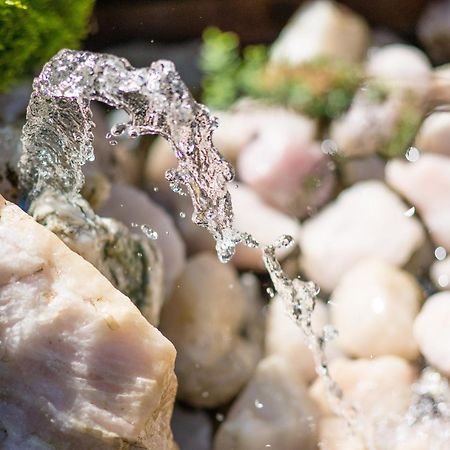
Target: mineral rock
column 321, row 28
column 366, row 220
column 207, row 319
column 432, row 331
column 131, row 262
column 434, row 134
column 262, row 221
column 273, row 411
column 135, row 209
column 81, row 368
column 431, row 199
column 378, row 388
column 373, row 307
column 286, row 146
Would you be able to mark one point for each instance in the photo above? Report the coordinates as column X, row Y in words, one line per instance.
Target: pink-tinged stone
column 135, row 208
column 262, row 221
column 209, row 320
column 374, row 307
column 81, row 368
column 432, row 331
column 366, row 220
column 434, row 134
column 425, row 183
column 287, row 167
column 273, row 411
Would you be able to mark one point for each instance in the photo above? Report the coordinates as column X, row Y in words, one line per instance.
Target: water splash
column 57, row 137
column 57, row 141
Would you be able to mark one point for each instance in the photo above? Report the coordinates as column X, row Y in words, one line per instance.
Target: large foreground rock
column 80, row 367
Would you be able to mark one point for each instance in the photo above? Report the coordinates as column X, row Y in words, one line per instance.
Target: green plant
column 32, row 31
column 320, row 88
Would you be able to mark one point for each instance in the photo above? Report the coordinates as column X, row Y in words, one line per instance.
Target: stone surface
column 432, row 331
column 131, row 262
column 322, row 28
column 286, row 166
column 208, row 319
column 81, row 367
column 434, row 134
column 354, row 170
column 425, row 183
column 135, row 208
column 334, row 434
column 10, row 149
column 366, row 220
column 373, row 307
column 262, row 221
column 378, row 388
column 273, row 411
column 440, row 274
column 285, row 338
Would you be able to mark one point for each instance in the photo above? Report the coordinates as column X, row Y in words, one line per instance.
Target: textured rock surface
column 434, row 134
column 286, row 146
column 378, row 388
column 273, row 411
column 262, row 221
column 131, row 262
column 366, row 220
column 432, row 331
column 374, row 307
column 285, row 338
column 134, row 208
column 80, row 366
column 431, row 199
column 322, row 28
column 208, row 319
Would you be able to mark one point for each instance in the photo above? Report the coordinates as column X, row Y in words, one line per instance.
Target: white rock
column 286, row 167
column 322, row 28
column 366, row 220
column 263, row 222
column 433, row 30
column 134, row 208
column 425, row 183
column 81, row 367
column 368, row 125
column 432, row 331
column 440, row 274
column 400, row 66
column 285, row 338
column 205, row 318
column 273, row 411
column 334, row 434
column 378, row 388
column 373, row 307
column 434, row 134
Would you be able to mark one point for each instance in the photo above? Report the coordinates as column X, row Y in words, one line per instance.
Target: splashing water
column 57, row 137
column 57, row 141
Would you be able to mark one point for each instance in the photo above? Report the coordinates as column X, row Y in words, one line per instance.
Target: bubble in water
column 410, row 212
column 258, row 404
column 329, row 333
column 440, row 253
column 412, row 154
column 112, row 142
column 182, row 214
column 149, row 232
column 443, row 280
column 284, row 241
column 271, row 292
column 220, row 417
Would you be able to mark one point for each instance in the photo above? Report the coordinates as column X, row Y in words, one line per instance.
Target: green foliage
column 32, row 31
column 321, row 88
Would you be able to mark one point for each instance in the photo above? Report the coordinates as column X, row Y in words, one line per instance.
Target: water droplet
column 412, row 154
column 443, row 280
column 112, row 142
column 329, row 147
column 284, row 241
column 220, row 417
column 271, row 292
column 410, row 212
column 258, row 404
column 149, row 232
column 182, row 214
column 440, row 253
column 329, row 333
column 155, row 189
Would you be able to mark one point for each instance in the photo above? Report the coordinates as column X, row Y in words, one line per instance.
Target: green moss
column 32, row 31
column 321, row 88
